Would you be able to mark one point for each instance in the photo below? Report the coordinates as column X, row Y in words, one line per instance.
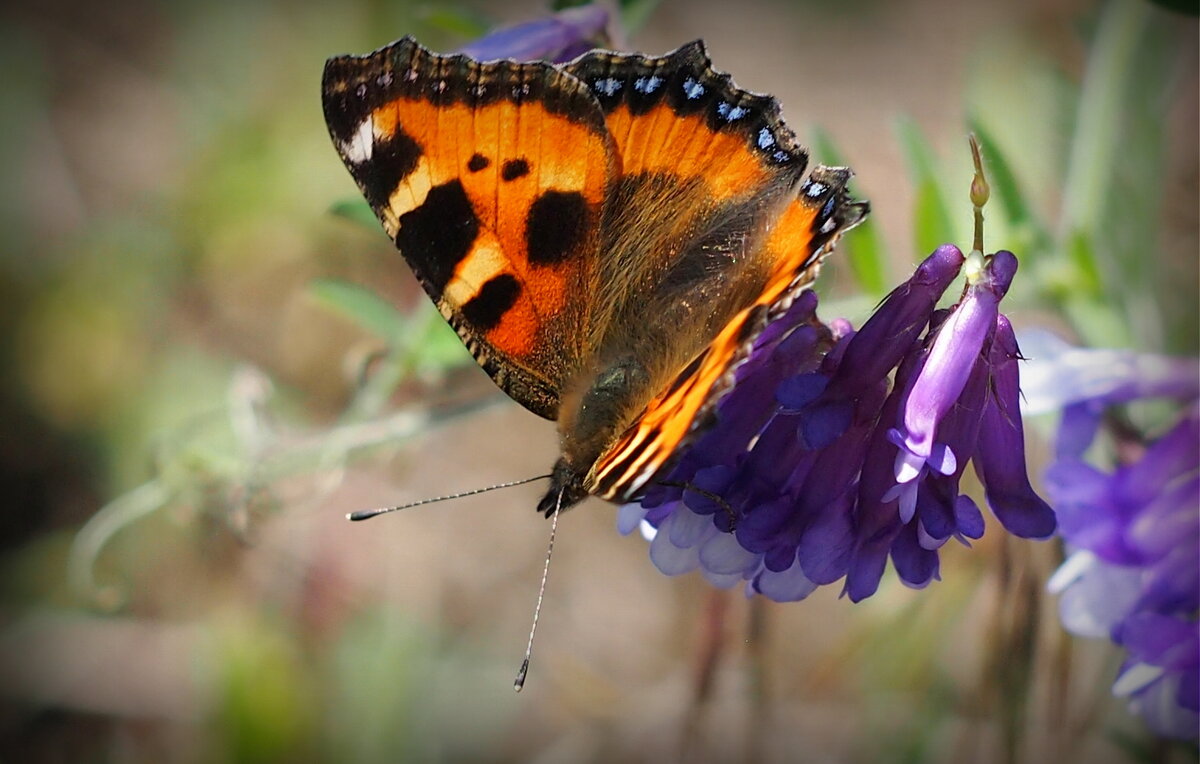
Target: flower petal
column 917, row 567
column 789, row 585
column 1000, row 458
column 629, row 516
column 672, row 560
column 723, row 555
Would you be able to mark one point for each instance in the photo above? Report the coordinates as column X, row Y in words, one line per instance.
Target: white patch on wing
column 358, row 148
column 409, row 195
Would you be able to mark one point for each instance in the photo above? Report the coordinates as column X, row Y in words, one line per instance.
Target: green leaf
column 1097, row 141
column 1082, row 255
column 361, row 306
column 635, row 13
column 932, row 222
column 932, row 226
column 426, row 344
column 456, row 20
column 355, row 210
column 1084, row 301
column 440, row 347
column 863, row 246
column 922, row 163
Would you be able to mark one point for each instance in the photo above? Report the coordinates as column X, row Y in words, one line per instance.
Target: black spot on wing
column 391, row 161
column 485, row 309
column 556, row 227
column 514, row 168
column 438, row 235
column 478, row 162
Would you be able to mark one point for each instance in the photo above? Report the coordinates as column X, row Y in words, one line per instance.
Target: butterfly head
column 566, row 489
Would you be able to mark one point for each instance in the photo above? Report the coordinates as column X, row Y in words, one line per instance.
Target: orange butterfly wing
column 490, row 178
column 803, row 234
column 675, row 116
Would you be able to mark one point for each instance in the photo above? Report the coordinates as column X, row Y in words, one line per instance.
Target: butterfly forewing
column 490, row 178
column 801, row 236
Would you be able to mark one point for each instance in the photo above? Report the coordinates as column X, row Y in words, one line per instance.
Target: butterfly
column 606, row 236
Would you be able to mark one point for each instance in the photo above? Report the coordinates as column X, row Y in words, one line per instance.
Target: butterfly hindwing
column 490, row 178
column 709, row 180
column 799, row 238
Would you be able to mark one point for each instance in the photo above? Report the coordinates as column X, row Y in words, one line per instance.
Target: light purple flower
column 958, row 344
column 1133, row 575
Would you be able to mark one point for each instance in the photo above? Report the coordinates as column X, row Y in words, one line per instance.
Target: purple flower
column 1133, row 574
column 837, row 450
column 944, row 372
column 558, row 37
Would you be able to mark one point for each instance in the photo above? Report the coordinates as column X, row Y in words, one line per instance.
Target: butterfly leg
column 713, row 497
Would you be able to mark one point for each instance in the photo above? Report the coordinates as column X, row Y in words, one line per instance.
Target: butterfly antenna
column 537, row 610
column 367, row 514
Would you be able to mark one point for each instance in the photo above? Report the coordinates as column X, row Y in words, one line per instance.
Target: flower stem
column 980, row 192
column 709, row 653
column 756, row 676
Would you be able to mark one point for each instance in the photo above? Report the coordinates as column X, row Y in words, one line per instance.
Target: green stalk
column 1095, row 146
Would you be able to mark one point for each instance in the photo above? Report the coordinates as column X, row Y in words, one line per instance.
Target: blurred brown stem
column 710, row 650
column 756, row 676
column 1008, row 671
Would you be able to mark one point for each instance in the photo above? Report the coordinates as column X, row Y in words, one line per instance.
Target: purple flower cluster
column 1133, row 574
column 837, row 449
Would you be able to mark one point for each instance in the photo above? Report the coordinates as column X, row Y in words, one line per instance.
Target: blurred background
column 199, row 388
